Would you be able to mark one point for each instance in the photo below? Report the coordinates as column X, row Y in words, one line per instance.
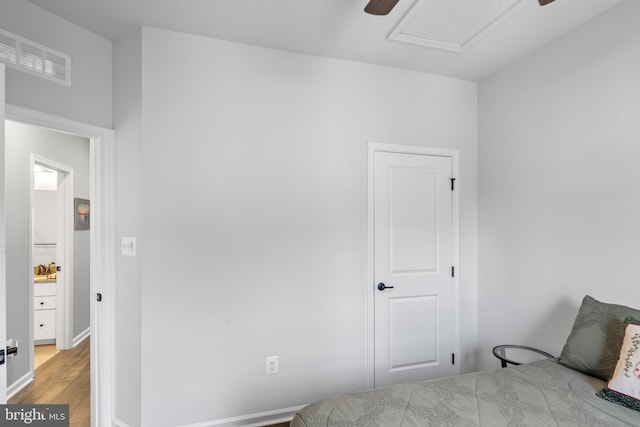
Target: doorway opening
column 59, row 253
column 102, row 254
column 46, row 241
column 56, row 272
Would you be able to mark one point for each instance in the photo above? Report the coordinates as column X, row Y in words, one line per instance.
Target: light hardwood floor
column 64, row 379
column 42, row 353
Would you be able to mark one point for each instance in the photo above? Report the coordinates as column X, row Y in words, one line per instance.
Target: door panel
column 410, row 345
column 412, row 220
column 413, row 256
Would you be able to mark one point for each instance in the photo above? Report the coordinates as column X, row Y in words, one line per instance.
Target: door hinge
column 453, row 185
column 453, row 358
column 453, row 271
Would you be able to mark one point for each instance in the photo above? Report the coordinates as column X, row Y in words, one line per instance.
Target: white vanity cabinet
column 44, row 313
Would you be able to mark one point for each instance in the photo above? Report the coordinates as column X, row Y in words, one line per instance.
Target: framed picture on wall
column 81, row 214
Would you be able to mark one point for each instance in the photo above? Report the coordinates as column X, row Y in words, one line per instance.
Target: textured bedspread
column 539, row 394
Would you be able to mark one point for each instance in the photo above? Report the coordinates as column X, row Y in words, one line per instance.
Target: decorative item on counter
column 45, row 273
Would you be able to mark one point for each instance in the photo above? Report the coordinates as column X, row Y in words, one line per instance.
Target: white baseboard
column 19, row 384
column 116, row 422
column 77, row 340
column 253, row 420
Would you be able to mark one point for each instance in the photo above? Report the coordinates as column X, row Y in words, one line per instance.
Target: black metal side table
column 519, row 354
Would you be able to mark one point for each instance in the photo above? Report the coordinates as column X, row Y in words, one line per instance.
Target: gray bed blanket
column 539, row 394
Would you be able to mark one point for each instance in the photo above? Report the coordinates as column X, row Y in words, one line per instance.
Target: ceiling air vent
column 34, row 58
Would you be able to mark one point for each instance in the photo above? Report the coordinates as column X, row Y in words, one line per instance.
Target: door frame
column 102, row 252
column 3, row 243
column 454, row 154
column 64, row 232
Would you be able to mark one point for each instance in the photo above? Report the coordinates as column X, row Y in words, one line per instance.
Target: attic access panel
column 450, row 25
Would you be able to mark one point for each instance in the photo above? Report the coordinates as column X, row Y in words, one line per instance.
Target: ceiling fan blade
column 380, row 7
column 544, row 2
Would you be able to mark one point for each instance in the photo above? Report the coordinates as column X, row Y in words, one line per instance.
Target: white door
column 414, row 330
column 3, row 250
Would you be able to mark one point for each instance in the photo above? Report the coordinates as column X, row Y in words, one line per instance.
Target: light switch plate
column 129, row 246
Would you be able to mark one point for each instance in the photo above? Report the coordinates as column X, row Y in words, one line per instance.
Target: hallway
column 63, row 379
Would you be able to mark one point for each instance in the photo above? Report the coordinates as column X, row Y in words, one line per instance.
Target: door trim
column 454, row 154
column 103, row 251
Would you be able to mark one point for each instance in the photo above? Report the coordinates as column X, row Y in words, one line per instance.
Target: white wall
column 127, row 60
column 45, row 228
column 88, row 100
column 20, row 142
column 253, row 167
column 558, row 174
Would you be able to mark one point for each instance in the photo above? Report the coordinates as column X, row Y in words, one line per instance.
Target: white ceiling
column 468, row 39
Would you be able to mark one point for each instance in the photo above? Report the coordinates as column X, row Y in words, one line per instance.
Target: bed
column 577, row 389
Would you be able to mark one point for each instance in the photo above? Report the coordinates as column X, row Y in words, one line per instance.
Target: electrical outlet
column 273, row 365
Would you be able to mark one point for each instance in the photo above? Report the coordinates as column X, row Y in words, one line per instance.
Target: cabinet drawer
column 44, row 303
column 44, row 325
column 43, row 289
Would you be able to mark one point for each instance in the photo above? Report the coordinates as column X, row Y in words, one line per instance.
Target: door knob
column 382, row 286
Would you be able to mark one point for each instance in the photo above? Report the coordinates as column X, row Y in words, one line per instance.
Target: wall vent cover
column 33, row 58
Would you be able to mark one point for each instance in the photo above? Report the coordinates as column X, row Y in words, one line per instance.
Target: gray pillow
column 595, row 340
